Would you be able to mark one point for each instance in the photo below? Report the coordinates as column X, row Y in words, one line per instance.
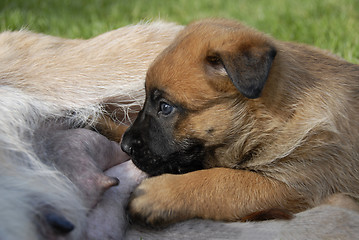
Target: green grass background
column 329, row 24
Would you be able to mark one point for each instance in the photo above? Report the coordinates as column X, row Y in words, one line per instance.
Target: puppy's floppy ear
column 248, row 67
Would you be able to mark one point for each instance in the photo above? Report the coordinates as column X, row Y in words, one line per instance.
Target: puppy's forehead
column 179, row 69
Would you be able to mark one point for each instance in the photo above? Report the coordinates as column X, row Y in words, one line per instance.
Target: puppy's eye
column 165, row 108
column 213, row 60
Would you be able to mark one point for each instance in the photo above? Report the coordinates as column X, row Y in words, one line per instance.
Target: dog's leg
column 112, row 130
column 115, row 121
column 217, row 193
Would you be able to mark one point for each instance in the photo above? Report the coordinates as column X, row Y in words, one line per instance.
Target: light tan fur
column 85, row 76
column 291, row 147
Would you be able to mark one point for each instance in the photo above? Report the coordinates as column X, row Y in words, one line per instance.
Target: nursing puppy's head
column 196, row 92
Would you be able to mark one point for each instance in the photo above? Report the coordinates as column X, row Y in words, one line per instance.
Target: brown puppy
column 267, row 123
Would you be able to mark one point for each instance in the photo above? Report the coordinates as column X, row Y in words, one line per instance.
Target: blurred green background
column 329, row 24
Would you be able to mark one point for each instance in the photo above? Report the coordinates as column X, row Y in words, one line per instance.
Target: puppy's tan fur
column 291, row 147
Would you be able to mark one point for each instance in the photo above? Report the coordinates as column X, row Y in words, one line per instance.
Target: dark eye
column 213, row 60
column 165, row 108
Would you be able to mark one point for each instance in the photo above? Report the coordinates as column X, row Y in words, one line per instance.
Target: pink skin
column 99, row 169
column 108, row 219
column 82, row 156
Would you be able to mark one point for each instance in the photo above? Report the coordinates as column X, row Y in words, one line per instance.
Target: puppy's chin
column 182, row 161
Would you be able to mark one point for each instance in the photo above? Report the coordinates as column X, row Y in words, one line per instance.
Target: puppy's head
column 196, row 91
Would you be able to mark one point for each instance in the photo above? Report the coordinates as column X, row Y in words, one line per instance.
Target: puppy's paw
column 159, row 201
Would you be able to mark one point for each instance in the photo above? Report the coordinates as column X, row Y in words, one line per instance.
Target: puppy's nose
column 129, row 144
column 126, row 146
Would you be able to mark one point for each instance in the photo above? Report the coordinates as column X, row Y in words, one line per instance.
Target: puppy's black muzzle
column 141, row 155
column 153, row 150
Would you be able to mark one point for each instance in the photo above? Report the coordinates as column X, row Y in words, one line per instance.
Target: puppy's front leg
column 110, row 129
column 217, row 193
